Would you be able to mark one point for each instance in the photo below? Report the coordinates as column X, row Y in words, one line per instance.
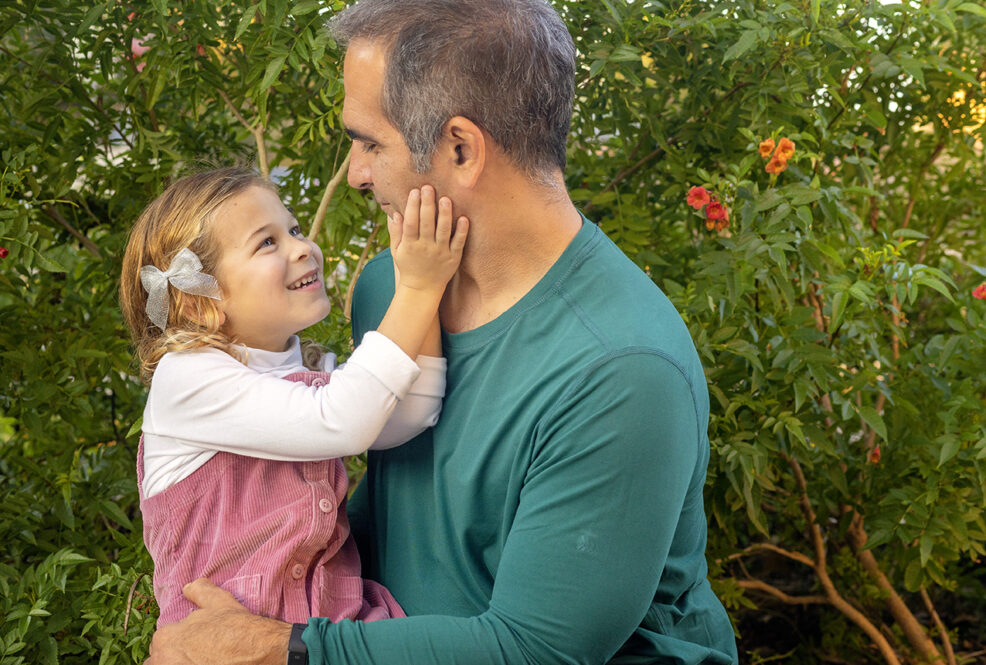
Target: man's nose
column 359, row 171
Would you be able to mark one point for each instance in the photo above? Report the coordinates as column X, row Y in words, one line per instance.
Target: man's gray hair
column 507, row 65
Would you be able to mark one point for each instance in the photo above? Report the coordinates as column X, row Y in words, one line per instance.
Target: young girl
column 238, row 468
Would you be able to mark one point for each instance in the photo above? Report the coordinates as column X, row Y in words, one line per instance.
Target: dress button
column 324, row 505
column 318, row 383
column 297, row 571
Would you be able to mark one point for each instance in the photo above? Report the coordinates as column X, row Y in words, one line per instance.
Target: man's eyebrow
column 358, row 136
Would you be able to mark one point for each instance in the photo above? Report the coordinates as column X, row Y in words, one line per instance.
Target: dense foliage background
column 831, row 299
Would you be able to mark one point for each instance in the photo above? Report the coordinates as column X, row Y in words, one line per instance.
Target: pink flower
column 979, row 292
column 137, row 48
column 697, row 197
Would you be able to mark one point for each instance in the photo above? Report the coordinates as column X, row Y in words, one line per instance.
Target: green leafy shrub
column 833, row 309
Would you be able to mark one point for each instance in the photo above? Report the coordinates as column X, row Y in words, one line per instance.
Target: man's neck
column 513, row 242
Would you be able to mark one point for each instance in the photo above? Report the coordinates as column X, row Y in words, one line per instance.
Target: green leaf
column 972, row 8
column 839, row 301
column 913, row 575
column 274, row 68
column 742, row 45
column 245, row 21
column 874, row 420
column 305, row 7
column 161, row 6
column 91, row 16
column 49, row 264
column 769, row 199
column 925, row 544
column 801, row 195
column 874, row 115
column 949, row 448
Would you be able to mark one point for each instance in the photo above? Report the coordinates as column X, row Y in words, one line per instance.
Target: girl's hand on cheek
column 426, row 251
column 395, row 222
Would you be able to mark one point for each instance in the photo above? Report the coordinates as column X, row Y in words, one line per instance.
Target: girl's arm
column 426, row 254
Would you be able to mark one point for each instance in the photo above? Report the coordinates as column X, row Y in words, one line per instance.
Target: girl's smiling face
column 270, row 273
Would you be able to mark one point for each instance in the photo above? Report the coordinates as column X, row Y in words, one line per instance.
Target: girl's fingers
column 443, row 229
column 426, row 223
column 459, row 239
column 412, row 215
column 396, row 228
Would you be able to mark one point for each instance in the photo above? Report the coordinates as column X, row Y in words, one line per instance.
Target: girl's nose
column 301, row 248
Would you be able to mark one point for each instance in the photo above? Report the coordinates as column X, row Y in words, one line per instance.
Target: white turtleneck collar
column 279, row 363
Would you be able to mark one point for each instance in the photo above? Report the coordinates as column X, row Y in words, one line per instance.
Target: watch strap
column 297, row 649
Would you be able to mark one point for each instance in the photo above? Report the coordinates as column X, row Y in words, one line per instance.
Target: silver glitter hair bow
column 185, row 274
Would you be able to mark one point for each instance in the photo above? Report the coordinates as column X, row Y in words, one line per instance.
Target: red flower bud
column 4, row 252
column 875, row 455
column 979, row 292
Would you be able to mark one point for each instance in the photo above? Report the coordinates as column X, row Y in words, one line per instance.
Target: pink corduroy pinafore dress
column 274, row 534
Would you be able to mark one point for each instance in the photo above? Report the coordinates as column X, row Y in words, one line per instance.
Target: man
column 555, row 513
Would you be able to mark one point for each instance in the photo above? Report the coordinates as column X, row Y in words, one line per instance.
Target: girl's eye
column 267, row 242
column 295, row 231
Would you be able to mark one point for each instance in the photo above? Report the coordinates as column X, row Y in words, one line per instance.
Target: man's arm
column 221, row 631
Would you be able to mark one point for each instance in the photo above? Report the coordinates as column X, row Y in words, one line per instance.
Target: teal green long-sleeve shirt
column 555, row 513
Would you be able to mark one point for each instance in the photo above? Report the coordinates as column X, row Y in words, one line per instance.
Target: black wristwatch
column 297, row 649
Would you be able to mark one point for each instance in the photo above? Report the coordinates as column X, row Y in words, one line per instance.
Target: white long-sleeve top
column 204, row 401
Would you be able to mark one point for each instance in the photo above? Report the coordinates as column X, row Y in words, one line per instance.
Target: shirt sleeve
column 213, row 401
column 613, row 464
column 420, row 407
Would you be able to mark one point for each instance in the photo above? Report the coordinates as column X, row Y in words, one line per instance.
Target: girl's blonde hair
column 183, row 216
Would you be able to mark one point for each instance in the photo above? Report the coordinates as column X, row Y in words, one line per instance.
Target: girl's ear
column 202, row 311
column 462, row 151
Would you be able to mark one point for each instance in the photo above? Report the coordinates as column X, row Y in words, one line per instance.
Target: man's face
column 381, row 161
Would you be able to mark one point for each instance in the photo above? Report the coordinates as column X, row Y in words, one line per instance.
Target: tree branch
column 917, row 183
column 821, row 570
column 946, row 642
column 258, row 134
column 364, row 257
column 756, row 547
column 323, row 205
column 913, row 630
column 759, row 585
column 86, row 242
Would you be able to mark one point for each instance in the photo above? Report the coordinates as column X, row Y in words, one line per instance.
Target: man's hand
column 221, row 632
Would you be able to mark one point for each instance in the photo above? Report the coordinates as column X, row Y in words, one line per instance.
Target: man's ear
column 463, row 149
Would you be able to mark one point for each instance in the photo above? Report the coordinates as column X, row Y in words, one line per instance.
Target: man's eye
column 369, row 147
